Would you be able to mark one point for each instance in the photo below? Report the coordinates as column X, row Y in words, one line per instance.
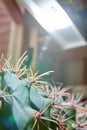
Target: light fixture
column 52, row 17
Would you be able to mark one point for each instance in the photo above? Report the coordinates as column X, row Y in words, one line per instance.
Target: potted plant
column 28, row 103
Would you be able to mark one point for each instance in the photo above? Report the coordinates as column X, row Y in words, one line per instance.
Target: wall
column 71, row 72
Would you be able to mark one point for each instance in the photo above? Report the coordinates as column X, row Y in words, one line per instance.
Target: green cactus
column 28, row 103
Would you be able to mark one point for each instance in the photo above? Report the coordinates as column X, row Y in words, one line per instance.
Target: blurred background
column 53, row 32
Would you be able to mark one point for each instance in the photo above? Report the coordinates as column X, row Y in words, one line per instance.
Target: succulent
column 29, row 103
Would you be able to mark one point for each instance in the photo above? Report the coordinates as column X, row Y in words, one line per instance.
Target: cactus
column 28, row 103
